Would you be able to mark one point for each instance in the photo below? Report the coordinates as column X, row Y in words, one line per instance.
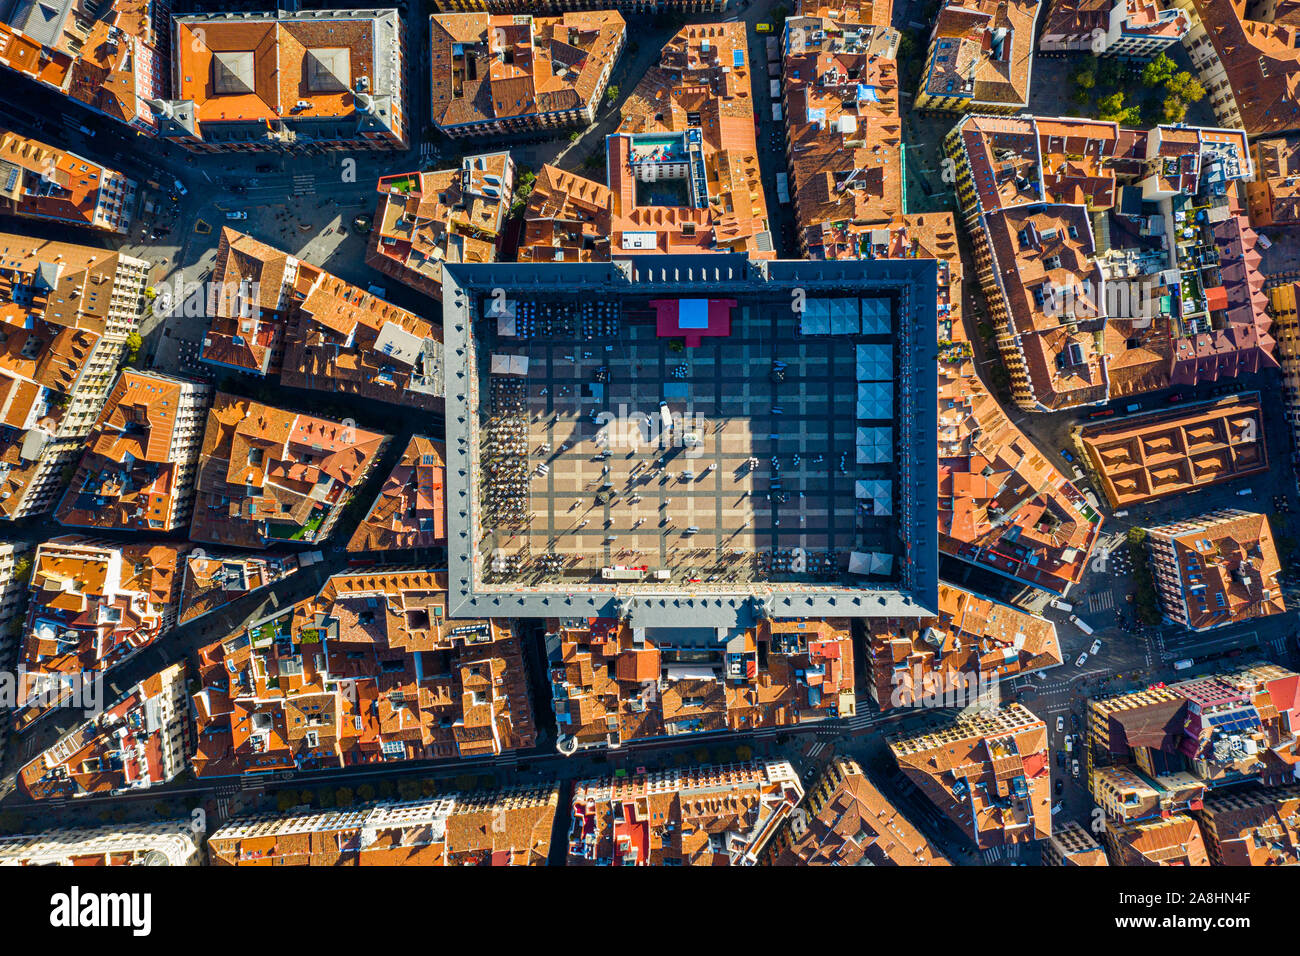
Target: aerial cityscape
column 504, row 433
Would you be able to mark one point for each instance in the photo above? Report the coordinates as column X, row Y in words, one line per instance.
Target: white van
column 1182, row 665
column 1080, row 624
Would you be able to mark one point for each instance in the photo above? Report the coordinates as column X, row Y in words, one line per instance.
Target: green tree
column 1158, row 71
column 429, row 788
column 1109, row 73
column 366, row 792
column 1111, row 108
column 1185, row 87
column 1172, row 110
column 326, row 799
column 611, row 92
column 22, row 568
column 386, row 789
column 1085, row 77
column 343, row 797
column 523, row 189
column 286, row 799
column 744, row 753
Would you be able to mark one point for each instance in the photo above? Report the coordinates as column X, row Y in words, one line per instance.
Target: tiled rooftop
column 136, row 743
column 269, row 474
column 612, row 682
column 138, row 469
column 94, row 604
column 989, row 772
column 450, row 215
column 483, row 828
column 411, row 509
column 698, row 816
column 38, row 181
column 491, row 67
column 1144, row 457
column 369, row 670
column 912, row 661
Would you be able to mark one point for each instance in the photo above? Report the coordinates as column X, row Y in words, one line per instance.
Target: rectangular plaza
column 770, row 466
column 718, row 444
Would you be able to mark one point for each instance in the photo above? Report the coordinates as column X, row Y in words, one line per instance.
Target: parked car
column 1059, row 786
column 1096, row 648
column 1066, row 455
column 180, row 187
column 265, row 168
column 1074, row 767
column 1074, row 722
column 1175, row 398
column 237, row 215
column 1083, row 659
column 1060, row 725
column 1060, row 759
column 1182, row 665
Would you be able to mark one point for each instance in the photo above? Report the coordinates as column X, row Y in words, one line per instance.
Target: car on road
column 1058, row 786
column 1066, row 455
column 180, row 188
column 1175, row 398
column 1060, row 725
column 238, row 190
column 1060, row 759
column 265, row 168
column 1096, row 648
column 1074, row 767
column 237, row 215
column 1102, row 413
column 1074, row 722
column 1083, row 659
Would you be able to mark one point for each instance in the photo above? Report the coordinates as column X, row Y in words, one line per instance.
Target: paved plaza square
column 755, row 479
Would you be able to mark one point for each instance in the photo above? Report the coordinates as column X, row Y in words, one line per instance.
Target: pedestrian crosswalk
column 864, row 721
column 427, row 152
column 304, row 184
column 1101, row 601
column 816, row 748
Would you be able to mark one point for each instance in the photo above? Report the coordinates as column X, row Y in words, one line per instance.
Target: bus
column 619, row 572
